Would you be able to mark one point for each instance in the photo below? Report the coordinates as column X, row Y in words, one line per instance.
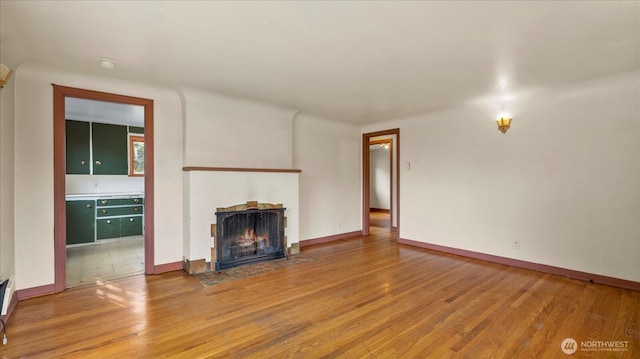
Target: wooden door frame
column 366, row 179
column 389, row 142
column 59, row 172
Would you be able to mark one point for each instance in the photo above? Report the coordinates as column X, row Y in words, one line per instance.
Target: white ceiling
column 352, row 61
column 103, row 112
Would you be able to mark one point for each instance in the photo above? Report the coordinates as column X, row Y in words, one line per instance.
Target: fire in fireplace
column 249, row 233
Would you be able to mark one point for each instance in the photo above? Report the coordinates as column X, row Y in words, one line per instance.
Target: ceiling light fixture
column 107, row 64
column 5, row 74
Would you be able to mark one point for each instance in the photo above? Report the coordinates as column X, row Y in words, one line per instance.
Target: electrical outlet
column 516, row 244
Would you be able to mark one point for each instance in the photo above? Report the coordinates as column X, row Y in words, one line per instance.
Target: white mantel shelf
column 241, row 169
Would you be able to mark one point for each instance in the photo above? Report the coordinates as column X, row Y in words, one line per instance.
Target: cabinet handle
column 98, row 163
column 88, row 205
column 108, row 221
column 83, row 162
column 104, row 211
column 136, row 209
column 130, row 219
column 104, row 201
column 136, row 200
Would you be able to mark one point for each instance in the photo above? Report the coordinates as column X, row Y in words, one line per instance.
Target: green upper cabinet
column 109, row 149
column 78, row 147
column 134, row 129
column 107, row 143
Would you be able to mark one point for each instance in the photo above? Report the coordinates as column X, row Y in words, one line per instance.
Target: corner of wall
column 7, row 230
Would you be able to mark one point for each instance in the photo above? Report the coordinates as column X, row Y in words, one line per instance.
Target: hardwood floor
column 379, row 219
column 364, row 297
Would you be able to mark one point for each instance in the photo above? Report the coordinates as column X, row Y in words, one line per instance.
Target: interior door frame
column 366, row 179
column 389, row 142
column 60, row 93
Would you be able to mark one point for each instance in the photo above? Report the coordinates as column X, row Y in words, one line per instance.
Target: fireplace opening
column 249, row 235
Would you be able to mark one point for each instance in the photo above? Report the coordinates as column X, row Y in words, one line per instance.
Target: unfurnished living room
column 320, row 179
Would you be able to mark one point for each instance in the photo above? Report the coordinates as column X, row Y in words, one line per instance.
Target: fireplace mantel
column 207, row 188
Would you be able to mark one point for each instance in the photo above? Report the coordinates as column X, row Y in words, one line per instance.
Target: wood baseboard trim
column 12, row 305
column 335, row 237
column 589, row 277
column 167, row 267
column 35, row 291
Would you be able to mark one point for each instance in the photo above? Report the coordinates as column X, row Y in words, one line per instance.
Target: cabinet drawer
column 131, row 226
column 108, row 228
column 118, row 211
column 119, row 201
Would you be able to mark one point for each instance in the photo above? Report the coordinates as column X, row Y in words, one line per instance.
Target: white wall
column 34, row 253
column 380, row 176
column 564, row 181
column 7, row 241
column 328, row 153
column 103, row 184
column 222, row 131
column 209, row 190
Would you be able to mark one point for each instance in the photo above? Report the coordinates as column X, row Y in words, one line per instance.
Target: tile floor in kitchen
column 105, row 260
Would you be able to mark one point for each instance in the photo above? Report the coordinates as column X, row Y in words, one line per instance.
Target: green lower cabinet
column 108, row 228
column 131, row 226
column 119, row 227
column 80, row 221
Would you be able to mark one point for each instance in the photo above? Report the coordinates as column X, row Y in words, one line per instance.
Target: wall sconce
column 5, row 74
column 504, row 123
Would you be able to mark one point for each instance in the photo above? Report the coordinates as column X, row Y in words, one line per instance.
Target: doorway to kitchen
column 103, row 186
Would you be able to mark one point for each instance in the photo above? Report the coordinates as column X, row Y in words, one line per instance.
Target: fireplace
column 249, row 233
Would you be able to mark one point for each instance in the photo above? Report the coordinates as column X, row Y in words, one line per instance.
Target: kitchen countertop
column 85, row 196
